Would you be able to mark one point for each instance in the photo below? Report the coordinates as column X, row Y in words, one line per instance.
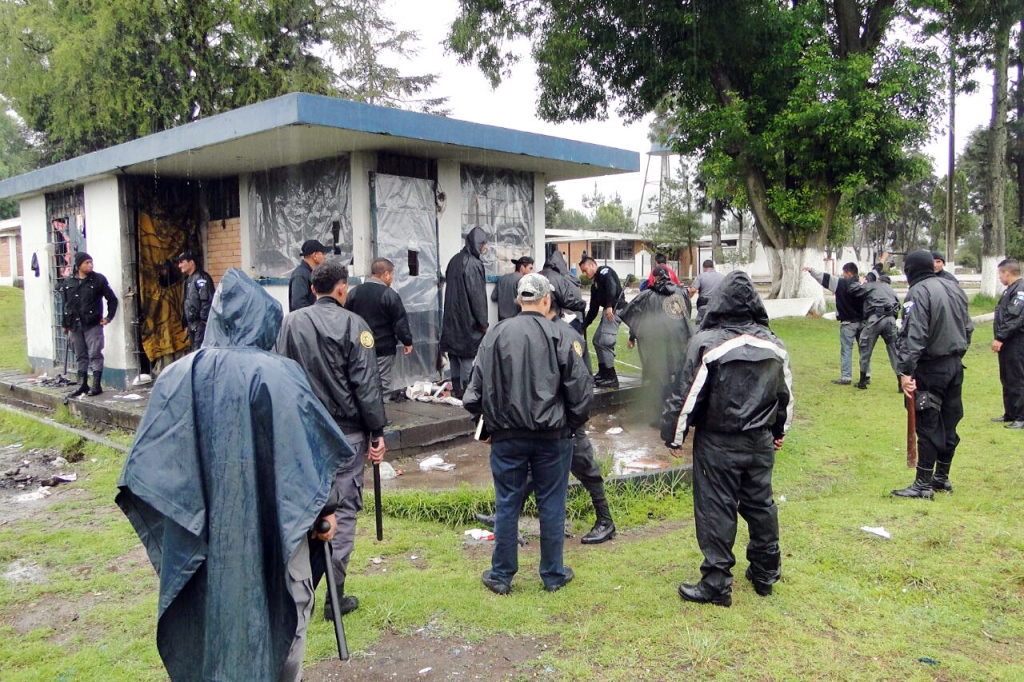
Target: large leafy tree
column 16, row 156
column 801, row 101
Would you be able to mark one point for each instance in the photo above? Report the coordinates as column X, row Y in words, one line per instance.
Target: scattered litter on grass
column 58, row 479
column 880, row 531
column 614, row 431
column 58, row 462
column 14, row 446
column 40, row 494
column 129, row 396
column 387, row 472
column 425, row 671
column 480, row 534
column 436, row 463
column 929, row 661
column 414, row 557
column 376, row 561
column 782, row 498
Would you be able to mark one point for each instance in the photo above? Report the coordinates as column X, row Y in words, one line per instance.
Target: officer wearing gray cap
column 533, row 390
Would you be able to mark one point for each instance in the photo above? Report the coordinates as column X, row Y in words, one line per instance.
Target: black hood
column 475, row 241
column 664, row 286
column 919, row 265
column 242, row 314
column 556, row 262
column 735, row 302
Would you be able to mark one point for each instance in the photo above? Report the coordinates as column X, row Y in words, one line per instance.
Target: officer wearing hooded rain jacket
column 1008, row 330
column 336, row 348
column 465, row 308
column 936, row 333
column 735, row 389
column 531, row 387
column 83, row 321
column 230, row 469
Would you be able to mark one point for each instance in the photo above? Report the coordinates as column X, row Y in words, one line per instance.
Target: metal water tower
column 664, row 154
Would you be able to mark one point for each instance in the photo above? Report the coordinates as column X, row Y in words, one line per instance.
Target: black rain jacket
column 465, row 299
column 565, row 289
column 936, row 322
column 605, row 292
column 300, row 295
column 877, row 298
column 529, row 380
column 83, row 301
column 382, row 308
column 505, row 294
column 336, row 348
column 199, row 292
column 659, row 317
column 1009, row 321
column 232, row 464
column 736, row 376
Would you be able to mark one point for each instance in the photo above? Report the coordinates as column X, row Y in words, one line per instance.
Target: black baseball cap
column 937, row 255
column 187, row 255
column 311, row 246
column 525, row 260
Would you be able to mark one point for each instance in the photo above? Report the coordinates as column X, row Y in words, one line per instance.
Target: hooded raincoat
column 231, row 466
column 659, row 318
column 465, row 299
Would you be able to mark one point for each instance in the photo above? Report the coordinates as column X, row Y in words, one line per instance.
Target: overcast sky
column 514, row 103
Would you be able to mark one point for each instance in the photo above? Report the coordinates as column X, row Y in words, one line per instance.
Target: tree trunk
column 717, row 211
column 993, row 228
column 793, row 282
column 1018, row 138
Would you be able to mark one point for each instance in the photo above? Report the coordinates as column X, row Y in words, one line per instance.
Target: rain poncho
column 659, row 318
column 231, row 466
column 465, row 299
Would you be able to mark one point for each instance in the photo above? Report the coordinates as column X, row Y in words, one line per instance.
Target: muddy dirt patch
column 29, row 479
column 425, row 656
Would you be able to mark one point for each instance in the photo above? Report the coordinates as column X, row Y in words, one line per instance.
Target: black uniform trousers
column 732, row 473
column 936, row 426
column 1011, row 375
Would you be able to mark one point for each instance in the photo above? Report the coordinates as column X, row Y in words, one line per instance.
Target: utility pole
column 950, row 204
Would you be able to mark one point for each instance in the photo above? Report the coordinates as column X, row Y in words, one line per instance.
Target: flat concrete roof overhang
column 299, row 127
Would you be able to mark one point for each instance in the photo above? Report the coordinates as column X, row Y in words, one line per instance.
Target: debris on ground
column 436, row 463
column 480, row 534
column 880, row 531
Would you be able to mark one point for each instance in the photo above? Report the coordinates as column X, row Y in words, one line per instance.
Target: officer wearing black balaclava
column 935, row 335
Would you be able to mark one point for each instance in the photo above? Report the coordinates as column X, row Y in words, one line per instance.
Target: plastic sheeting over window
column 501, row 202
column 291, row 204
column 405, row 232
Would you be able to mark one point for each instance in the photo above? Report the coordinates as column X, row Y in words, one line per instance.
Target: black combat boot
column 96, row 388
column 921, row 487
column 606, row 378
column 83, row 385
column 457, row 388
column 940, row 481
column 702, row 594
column 604, row 527
column 864, row 381
column 346, row 604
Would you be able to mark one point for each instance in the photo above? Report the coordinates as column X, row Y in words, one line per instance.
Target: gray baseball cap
column 533, row 287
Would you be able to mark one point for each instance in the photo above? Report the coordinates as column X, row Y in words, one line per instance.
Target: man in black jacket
column 936, row 333
column 300, row 289
column 83, row 321
column 336, row 348
column 504, row 293
column 199, row 291
column 880, row 306
column 605, row 300
column 376, row 302
column 849, row 312
column 531, row 387
column 939, row 263
column 465, row 308
column 735, row 388
column 1009, row 343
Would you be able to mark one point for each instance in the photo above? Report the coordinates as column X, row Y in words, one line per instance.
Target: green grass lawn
column 948, row 587
column 13, row 347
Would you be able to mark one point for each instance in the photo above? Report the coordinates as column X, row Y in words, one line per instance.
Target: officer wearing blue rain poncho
column 231, row 467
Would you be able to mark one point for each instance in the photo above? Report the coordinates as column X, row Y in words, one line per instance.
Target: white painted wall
column 103, row 237
column 38, row 290
column 360, row 165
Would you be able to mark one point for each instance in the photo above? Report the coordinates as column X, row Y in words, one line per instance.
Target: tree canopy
column 16, row 156
column 800, row 102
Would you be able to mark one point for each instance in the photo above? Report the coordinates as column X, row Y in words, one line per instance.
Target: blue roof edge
column 303, row 108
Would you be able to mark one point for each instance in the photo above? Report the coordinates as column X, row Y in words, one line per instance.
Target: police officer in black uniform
column 199, row 292
column 606, row 300
column 504, row 293
column 880, row 307
column 300, row 292
column 1009, row 343
column 936, row 333
column 336, row 348
column 735, row 389
column 531, row 387
column 83, row 320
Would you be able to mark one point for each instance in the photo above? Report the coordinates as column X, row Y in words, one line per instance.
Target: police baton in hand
column 378, row 513
column 911, row 430
column 322, row 526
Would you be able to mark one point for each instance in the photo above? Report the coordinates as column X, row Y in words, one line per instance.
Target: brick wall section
column 223, row 247
column 5, row 256
column 21, row 264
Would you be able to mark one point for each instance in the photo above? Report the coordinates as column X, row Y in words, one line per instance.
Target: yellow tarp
column 160, row 293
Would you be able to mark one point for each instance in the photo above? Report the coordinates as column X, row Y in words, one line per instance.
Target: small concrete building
column 247, row 187
column 12, row 269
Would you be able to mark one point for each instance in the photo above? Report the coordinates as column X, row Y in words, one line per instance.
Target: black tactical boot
column 606, row 378
column 864, row 381
column 96, row 388
column 604, row 528
column 457, row 388
column 921, row 487
column 83, row 385
column 700, row 594
column 762, row 589
column 940, row 481
column 347, row 604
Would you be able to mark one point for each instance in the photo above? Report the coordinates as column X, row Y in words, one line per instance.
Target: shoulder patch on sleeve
column 200, row 283
column 907, row 306
column 577, row 348
column 366, row 339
